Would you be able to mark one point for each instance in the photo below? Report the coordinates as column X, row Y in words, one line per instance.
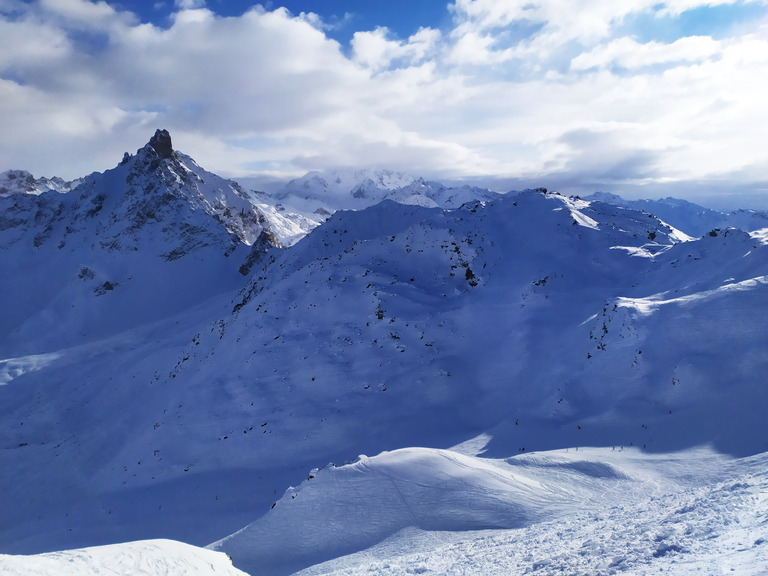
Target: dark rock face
column 161, row 142
column 263, row 244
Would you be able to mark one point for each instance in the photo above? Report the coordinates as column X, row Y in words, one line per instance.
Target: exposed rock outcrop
column 161, row 142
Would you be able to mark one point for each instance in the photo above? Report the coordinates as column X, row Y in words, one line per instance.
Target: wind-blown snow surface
column 182, row 401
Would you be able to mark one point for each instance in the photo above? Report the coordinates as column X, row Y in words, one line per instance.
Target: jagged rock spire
column 161, row 142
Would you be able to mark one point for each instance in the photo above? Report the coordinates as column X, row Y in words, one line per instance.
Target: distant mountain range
column 22, row 182
column 176, row 352
column 689, row 217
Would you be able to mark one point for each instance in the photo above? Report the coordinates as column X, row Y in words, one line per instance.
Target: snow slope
column 467, row 306
column 145, row 558
column 706, row 517
column 355, row 506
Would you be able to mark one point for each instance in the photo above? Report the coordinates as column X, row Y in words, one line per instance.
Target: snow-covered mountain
column 148, row 238
column 22, row 182
column 689, row 217
column 323, row 193
column 448, row 339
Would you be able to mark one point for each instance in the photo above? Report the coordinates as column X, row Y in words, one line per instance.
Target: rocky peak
column 16, row 181
column 161, row 143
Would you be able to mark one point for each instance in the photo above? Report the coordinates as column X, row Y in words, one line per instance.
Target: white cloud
column 539, row 90
column 82, row 14
column 17, row 52
column 570, row 19
column 629, row 53
column 476, row 48
column 586, row 22
column 375, row 50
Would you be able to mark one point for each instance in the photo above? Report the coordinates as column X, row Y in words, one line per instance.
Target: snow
column 610, row 511
column 289, row 227
column 717, row 528
column 649, row 305
column 761, row 235
column 637, row 251
column 579, row 217
column 334, row 190
column 341, row 185
column 12, row 368
column 22, row 182
column 143, row 558
column 690, row 219
column 176, row 352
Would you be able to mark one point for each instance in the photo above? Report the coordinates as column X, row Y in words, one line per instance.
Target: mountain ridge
column 692, row 218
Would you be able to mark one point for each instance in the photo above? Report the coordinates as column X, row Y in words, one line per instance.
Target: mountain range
column 427, row 361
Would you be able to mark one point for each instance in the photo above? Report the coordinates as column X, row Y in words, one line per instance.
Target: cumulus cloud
column 549, row 90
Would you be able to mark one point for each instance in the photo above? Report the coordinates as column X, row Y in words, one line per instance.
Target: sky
column 643, row 98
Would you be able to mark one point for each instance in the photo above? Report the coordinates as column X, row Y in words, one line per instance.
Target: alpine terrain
column 371, row 372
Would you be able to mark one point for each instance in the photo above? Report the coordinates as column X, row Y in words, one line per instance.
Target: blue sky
column 639, row 97
column 343, row 17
